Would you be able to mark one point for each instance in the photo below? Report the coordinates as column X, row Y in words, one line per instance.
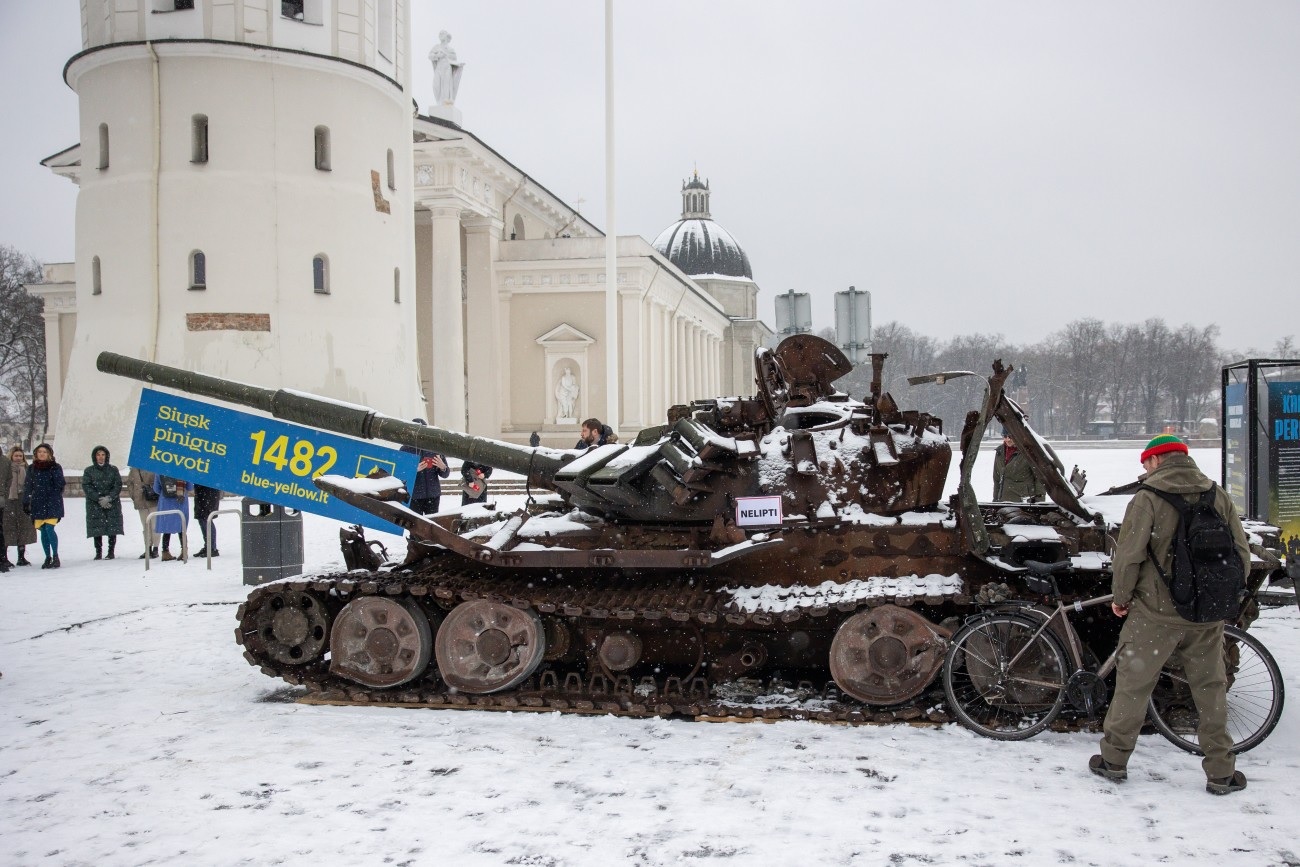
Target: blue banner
column 256, row 456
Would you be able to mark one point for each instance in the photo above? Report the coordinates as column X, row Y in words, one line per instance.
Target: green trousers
column 1144, row 647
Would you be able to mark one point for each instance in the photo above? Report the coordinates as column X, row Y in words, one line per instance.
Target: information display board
column 1236, row 445
column 256, row 456
column 1284, row 462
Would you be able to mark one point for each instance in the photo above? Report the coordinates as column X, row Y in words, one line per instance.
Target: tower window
column 96, row 278
column 392, row 174
column 199, row 138
column 306, row 11
column 323, row 148
column 397, row 285
column 103, row 146
column 184, row 4
column 198, row 270
column 320, row 274
column 517, row 228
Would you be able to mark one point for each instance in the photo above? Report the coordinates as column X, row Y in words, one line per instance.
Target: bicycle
column 1010, row 672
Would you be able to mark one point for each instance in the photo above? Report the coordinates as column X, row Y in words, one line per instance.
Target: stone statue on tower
column 446, row 74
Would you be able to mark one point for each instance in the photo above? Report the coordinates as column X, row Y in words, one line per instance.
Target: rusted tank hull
column 866, row 611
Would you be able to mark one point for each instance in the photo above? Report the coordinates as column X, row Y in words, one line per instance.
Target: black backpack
column 1207, row 580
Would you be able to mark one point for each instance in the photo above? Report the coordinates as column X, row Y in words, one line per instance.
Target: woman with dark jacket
column 43, row 500
column 102, row 484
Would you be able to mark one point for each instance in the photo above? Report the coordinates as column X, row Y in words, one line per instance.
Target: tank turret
column 799, row 439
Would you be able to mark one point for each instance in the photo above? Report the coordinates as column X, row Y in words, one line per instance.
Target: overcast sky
column 1000, row 167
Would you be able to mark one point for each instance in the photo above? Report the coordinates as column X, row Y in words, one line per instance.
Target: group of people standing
column 31, row 506
column 150, row 493
column 432, row 468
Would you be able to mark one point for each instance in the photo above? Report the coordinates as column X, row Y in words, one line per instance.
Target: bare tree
column 1122, row 372
column 1083, row 343
column 1153, row 356
column 22, row 349
column 1193, row 373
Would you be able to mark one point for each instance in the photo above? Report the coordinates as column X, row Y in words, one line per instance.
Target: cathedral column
column 697, row 361
column 692, row 387
column 504, row 405
column 680, row 363
column 715, row 352
column 53, row 372
column 654, row 353
column 447, row 322
column 666, row 349
column 721, row 347
column 484, row 374
column 631, row 384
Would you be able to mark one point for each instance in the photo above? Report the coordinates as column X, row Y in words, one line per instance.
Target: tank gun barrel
column 539, row 465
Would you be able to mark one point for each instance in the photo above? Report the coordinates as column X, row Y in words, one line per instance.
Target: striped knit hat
column 1163, row 444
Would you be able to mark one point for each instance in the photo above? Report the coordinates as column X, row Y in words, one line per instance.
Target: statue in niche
column 446, row 71
column 566, row 396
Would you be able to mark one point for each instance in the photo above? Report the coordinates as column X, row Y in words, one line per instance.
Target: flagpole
column 612, row 371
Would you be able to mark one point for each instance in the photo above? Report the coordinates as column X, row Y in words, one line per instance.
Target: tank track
column 679, row 600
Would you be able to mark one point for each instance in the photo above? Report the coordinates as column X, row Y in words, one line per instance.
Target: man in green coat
column 1014, row 478
column 1153, row 629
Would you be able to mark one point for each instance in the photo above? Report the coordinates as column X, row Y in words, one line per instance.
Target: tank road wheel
column 886, row 655
column 290, row 626
column 487, row 646
column 380, row 642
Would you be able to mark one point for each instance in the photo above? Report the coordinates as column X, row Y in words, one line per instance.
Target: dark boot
column 1103, row 768
column 48, row 560
column 112, row 546
column 99, row 547
column 22, row 556
column 54, row 562
column 1226, row 785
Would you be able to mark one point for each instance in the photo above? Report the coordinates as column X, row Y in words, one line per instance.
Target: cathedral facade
column 258, row 200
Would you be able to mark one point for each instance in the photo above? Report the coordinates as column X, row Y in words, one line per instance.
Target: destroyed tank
column 782, row 555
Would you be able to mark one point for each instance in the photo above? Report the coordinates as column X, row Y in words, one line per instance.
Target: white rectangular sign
column 758, row 511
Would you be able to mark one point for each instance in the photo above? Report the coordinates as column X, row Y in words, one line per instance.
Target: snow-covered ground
column 133, row 732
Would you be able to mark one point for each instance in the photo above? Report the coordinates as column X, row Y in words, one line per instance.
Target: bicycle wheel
column 994, row 698
column 1255, row 696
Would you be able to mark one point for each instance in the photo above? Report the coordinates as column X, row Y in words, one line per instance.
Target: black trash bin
column 271, row 538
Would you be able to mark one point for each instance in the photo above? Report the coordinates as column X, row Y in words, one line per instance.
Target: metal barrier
column 208, row 545
column 152, row 521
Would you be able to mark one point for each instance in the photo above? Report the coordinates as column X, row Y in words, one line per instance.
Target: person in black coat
column 427, row 492
column 206, row 501
column 473, row 483
column 43, row 500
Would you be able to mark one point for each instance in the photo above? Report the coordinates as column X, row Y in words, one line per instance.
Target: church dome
column 696, row 244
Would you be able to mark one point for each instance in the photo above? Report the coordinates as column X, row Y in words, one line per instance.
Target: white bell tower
column 244, row 204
